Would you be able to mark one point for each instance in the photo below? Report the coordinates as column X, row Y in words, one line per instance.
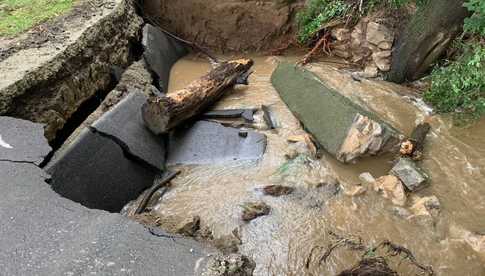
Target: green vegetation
column 17, row 16
column 460, row 87
column 476, row 23
column 319, row 12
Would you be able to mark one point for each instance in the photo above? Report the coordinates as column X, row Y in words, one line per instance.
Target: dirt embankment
column 232, row 25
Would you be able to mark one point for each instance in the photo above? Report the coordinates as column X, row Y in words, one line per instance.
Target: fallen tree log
column 163, row 113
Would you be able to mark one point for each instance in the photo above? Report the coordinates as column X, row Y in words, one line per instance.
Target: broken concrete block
column 95, row 172
column 161, row 52
column 124, row 123
column 212, row 143
column 391, row 188
column 412, row 176
column 22, row 141
column 344, row 129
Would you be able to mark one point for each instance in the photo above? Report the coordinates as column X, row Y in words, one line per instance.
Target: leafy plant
column 460, row 87
column 317, row 13
column 476, row 23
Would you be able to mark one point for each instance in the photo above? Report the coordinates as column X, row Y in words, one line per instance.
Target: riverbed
column 282, row 242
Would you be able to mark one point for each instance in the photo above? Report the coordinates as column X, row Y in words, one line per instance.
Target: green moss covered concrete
column 324, row 112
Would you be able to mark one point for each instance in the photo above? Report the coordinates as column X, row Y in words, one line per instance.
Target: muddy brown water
column 281, row 242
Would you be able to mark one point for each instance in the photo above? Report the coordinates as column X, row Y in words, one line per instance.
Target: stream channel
column 281, row 242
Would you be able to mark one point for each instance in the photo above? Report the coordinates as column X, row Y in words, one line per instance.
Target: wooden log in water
column 161, row 114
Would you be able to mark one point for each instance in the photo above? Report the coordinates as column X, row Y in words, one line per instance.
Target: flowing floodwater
column 281, row 242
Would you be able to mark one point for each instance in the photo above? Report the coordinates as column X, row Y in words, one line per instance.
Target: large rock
column 344, row 129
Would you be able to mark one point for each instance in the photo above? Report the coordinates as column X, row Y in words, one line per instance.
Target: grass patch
column 460, row 87
column 17, row 16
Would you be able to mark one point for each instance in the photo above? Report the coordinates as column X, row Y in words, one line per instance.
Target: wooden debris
column 159, row 184
column 162, row 113
column 413, row 147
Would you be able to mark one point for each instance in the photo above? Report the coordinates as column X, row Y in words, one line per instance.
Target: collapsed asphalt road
column 45, row 234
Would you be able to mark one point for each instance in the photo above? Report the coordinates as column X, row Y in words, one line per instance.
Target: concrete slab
column 334, row 120
column 44, row 234
column 161, row 52
column 125, row 123
column 22, row 141
column 211, row 143
column 95, row 172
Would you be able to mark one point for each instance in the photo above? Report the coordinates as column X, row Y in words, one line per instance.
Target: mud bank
column 231, row 25
column 47, row 82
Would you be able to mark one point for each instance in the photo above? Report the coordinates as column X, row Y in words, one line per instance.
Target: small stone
column 356, row 191
column 382, row 60
column 243, row 134
column 377, row 33
column 344, row 47
column 229, row 265
column 253, row 210
column 370, row 71
column 381, row 54
column 342, row 54
column 407, row 171
column 341, row 34
column 189, row 226
column 391, row 187
column 277, row 190
column 401, row 212
column 385, row 45
column 426, row 206
column 367, row 178
column 292, row 154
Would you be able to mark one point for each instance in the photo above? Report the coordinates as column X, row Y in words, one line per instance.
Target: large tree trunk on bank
column 425, row 38
column 163, row 113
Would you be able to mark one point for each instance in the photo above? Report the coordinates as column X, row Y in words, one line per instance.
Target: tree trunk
column 161, row 114
column 425, row 38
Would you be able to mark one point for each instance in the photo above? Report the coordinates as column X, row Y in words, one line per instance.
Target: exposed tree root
column 323, row 44
column 371, row 262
